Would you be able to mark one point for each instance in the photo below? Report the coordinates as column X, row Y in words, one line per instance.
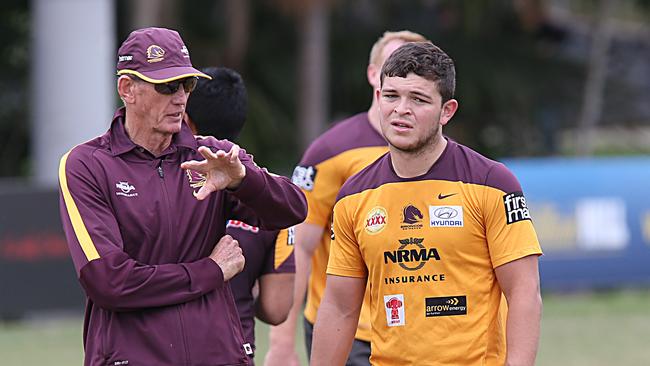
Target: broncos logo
column 155, row 53
column 196, row 180
column 411, row 215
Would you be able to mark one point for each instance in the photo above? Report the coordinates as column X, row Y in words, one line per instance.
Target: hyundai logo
column 445, row 213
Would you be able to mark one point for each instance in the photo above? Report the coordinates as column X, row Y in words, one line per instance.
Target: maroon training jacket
column 140, row 241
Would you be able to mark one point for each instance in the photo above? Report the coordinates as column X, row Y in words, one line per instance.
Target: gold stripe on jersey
column 80, row 230
column 330, row 176
column 431, row 268
column 284, row 244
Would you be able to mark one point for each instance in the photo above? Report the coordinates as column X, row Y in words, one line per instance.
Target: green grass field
column 610, row 328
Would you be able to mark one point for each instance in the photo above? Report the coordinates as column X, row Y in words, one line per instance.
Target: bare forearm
column 523, row 327
column 333, row 336
column 275, row 298
column 284, row 334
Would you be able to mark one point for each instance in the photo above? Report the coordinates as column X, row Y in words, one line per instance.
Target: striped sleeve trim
column 80, row 230
column 283, row 246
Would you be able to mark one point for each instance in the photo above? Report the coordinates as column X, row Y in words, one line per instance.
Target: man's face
column 160, row 112
column 412, row 113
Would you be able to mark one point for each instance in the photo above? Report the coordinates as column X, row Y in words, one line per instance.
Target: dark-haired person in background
column 218, row 108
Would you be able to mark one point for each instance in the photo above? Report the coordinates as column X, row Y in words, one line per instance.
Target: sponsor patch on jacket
column 125, row 189
column 445, row 306
column 304, row 177
column 243, row 226
column 516, row 208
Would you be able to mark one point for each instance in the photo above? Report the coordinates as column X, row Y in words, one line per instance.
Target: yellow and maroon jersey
column 330, row 160
column 428, row 246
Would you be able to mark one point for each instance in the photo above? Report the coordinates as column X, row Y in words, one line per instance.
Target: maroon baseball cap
column 156, row 55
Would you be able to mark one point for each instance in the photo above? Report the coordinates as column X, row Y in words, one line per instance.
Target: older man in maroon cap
column 144, row 208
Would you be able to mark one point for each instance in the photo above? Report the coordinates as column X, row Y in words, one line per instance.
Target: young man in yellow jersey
column 436, row 232
column 330, row 160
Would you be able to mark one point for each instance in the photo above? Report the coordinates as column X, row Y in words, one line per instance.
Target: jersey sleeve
column 320, row 183
column 345, row 255
column 111, row 278
column 509, row 228
column 280, row 257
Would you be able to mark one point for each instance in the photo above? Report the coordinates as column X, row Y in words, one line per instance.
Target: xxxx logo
column 376, row 220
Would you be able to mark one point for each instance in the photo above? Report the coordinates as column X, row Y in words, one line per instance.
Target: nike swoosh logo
column 443, row 196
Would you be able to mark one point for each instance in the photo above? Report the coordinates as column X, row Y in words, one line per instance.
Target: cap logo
column 185, row 52
column 155, row 53
column 123, row 58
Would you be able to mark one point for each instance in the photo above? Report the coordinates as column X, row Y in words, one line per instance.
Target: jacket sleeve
column 273, row 199
column 110, row 278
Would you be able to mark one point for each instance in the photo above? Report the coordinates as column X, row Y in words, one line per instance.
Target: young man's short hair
column 426, row 60
column 218, row 107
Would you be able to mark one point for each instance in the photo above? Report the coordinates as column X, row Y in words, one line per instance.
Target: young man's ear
column 448, row 110
column 126, row 89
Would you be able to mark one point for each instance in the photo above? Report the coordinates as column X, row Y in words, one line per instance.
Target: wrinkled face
column 412, row 113
column 159, row 112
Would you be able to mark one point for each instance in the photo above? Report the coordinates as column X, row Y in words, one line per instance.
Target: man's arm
column 111, row 278
column 519, row 281
column 282, row 338
column 336, row 324
column 275, row 298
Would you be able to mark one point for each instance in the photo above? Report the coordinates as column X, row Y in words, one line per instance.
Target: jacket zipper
column 161, row 174
column 187, row 351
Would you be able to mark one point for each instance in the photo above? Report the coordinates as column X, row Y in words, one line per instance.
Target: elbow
column 276, row 318
column 102, row 292
column 299, row 209
column 274, row 313
column 104, row 297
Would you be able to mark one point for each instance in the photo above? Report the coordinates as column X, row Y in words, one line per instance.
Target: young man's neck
column 415, row 164
column 152, row 141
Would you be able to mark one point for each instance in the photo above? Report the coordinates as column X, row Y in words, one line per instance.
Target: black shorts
column 359, row 354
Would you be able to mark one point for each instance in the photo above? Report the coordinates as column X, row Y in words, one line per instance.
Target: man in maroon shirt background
column 144, row 209
column 218, row 107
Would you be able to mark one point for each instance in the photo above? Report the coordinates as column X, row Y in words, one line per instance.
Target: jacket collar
column 121, row 143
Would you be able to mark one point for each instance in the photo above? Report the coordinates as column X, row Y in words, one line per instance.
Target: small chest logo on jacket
column 125, row 189
column 196, row 179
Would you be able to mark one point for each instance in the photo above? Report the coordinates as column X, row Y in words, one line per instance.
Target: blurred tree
column 594, row 89
column 522, row 66
column 14, row 88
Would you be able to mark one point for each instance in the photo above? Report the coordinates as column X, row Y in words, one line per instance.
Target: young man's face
column 412, row 112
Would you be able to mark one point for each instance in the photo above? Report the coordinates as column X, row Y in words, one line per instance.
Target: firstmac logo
column 516, row 208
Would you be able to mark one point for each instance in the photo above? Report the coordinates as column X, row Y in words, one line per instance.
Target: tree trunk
column 154, row 13
column 314, row 71
column 596, row 80
column 238, row 13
